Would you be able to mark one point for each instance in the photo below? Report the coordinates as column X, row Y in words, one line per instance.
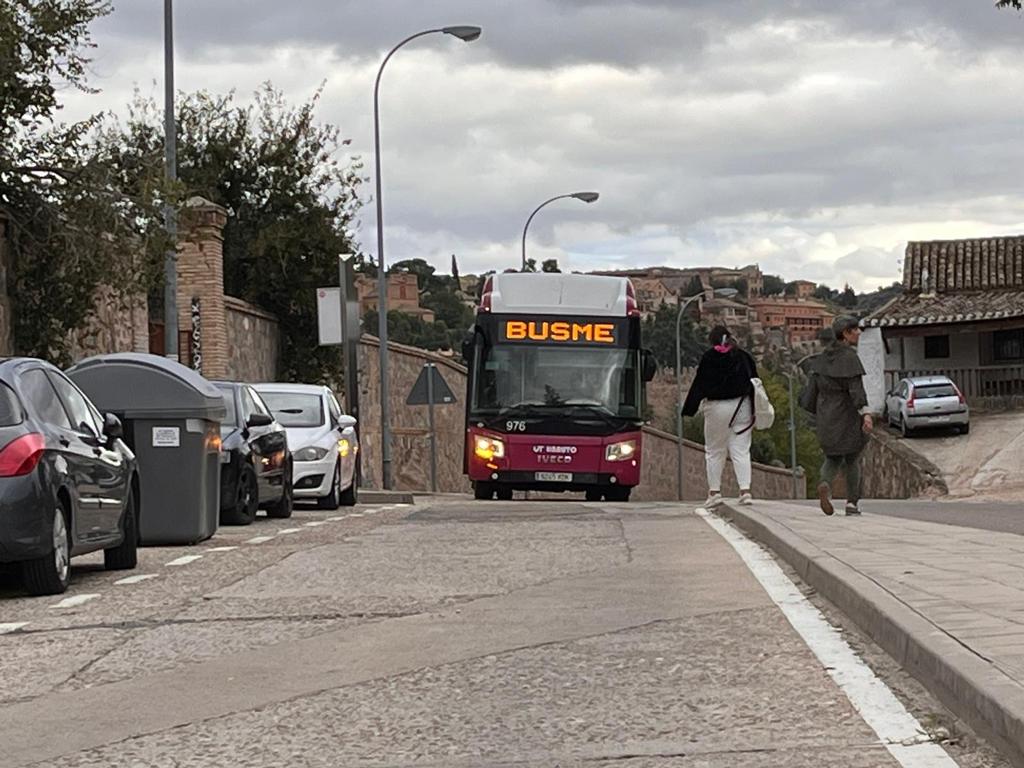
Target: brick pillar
column 201, row 276
column 6, row 315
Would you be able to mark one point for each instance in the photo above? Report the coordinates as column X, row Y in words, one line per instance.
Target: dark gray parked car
column 68, row 484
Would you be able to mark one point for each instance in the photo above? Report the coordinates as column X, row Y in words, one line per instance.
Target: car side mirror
column 259, row 420
column 112, row 427
column 648, row 365
column 346, row 422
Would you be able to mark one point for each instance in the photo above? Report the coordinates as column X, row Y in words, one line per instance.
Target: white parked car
column 322, row 440
column 927, row 401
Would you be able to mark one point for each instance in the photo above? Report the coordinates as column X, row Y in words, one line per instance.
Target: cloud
column 812, row 137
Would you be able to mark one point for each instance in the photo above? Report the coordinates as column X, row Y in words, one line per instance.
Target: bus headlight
column 620, row 451
column 488, row 448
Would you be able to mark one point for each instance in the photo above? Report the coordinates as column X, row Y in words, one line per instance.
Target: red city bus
column 556, row 387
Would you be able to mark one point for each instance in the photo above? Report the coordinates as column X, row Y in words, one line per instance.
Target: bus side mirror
column 468, row 344
column 648, row 365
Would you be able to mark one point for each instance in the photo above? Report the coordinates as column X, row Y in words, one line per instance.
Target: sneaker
column 714, row 501
column 852, row 510
column 746, row 499
column 825, row 497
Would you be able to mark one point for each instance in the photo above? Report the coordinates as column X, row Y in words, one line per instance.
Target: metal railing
column 975, row 383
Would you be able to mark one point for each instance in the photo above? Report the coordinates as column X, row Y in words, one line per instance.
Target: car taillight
column 632, row 309
column 910, row 402
column 20, row 456
column 959, row 395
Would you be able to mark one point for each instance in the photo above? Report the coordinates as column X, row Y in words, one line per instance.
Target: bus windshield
column 556, row 377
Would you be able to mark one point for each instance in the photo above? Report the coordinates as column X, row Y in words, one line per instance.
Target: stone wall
column 410, row 446
column 117, row 324
column 410, row 437
column 253, row 342
column 890, row 470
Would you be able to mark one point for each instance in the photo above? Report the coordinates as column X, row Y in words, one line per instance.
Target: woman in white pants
column 723, row 384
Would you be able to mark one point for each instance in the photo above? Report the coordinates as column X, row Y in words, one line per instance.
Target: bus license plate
column 554, row 477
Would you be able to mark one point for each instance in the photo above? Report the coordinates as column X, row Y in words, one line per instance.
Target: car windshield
column 931, row 391
column 231, row 419
column 558, row 378
column 294, row 409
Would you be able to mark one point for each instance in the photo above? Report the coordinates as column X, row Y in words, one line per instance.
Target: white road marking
column 316, row 523
column 898, row 730
column 337, row 517
column 73, row 602
column 183, row 560
column 289, row 530
column 221, row 549
column 6, row 629
column 137, row 578
column 259, row 539
column 356, row 514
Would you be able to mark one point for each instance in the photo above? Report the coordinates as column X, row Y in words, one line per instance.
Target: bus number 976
column 515, row 426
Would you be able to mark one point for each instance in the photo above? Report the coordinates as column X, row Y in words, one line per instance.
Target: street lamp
column 466, row 34
column 586, row 197
column 722, row 293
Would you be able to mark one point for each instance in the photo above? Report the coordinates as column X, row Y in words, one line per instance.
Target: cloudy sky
column 814, row 138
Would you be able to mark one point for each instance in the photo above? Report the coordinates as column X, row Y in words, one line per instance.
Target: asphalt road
column 458, row 633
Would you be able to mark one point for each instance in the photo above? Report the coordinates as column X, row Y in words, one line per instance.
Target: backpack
column 764, row 411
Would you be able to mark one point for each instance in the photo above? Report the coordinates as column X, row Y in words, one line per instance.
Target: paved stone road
column 460, row 634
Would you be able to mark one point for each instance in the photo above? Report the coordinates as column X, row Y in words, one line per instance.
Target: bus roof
column 545, row 293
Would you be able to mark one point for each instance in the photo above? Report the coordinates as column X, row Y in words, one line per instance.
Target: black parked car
column 68, row 484
column 257, row 465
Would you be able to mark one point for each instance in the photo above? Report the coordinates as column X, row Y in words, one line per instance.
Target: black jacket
column 721, row 376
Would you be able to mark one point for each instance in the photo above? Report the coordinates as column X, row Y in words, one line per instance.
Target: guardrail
column 983, row 382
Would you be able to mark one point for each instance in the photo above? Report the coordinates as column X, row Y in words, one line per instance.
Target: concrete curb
column 971, row 687
column 385, row 497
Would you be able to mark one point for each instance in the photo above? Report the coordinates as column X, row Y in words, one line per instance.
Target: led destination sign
column 575, row 331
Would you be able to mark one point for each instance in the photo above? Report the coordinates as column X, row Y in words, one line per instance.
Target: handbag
column 764, row 411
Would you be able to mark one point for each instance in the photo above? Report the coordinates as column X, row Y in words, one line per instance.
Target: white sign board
column 328, row 315
column 166, row 437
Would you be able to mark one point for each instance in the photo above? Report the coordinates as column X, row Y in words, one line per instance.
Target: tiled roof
column 946, row 266
column 945, row 308
column 958, row 281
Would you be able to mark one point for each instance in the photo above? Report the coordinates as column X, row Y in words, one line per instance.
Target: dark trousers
column 849, row 465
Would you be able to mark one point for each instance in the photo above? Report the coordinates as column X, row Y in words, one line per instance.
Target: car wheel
column 282, row 510
column 125, row 555
column 594, row 494
column 247, row 500
column 904, row 429
column 965, row 429
column 333, row 499
column 50, row 574
column 483, row 491
column 504, row 494
column 350, row 496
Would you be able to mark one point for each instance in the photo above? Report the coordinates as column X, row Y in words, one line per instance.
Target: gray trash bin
column 171, row 418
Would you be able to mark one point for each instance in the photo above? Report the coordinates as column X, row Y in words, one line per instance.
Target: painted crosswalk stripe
column 259, row 539
column 221, row 549
column 14, row 626
column 74, row 602
column 286, row 531
column 337, row 518
column 898, row 730
column 356, row 514
column 137, row 578
column 184, row 560
column 316, row 523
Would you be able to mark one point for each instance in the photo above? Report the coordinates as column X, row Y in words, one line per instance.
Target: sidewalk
column 946, row 602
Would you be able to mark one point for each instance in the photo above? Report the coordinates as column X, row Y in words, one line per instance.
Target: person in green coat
column 836, row 397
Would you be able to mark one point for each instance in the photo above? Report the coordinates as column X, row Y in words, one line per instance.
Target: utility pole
column 171, row 172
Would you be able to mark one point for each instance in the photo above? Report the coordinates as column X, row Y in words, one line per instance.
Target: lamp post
column 466, row 34
column 586, row 197
column 723, row 293
column 792, row 436
column 171, row 171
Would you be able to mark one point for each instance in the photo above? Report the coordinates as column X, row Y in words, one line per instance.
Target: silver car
column 322, row 439
column 927, row 401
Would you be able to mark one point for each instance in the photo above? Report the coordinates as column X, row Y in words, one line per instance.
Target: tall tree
column 773, row 285
column 291, row 192
column 75, row 225
column 549, row 265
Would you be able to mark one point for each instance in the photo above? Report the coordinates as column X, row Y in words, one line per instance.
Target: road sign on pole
column 431, row 388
